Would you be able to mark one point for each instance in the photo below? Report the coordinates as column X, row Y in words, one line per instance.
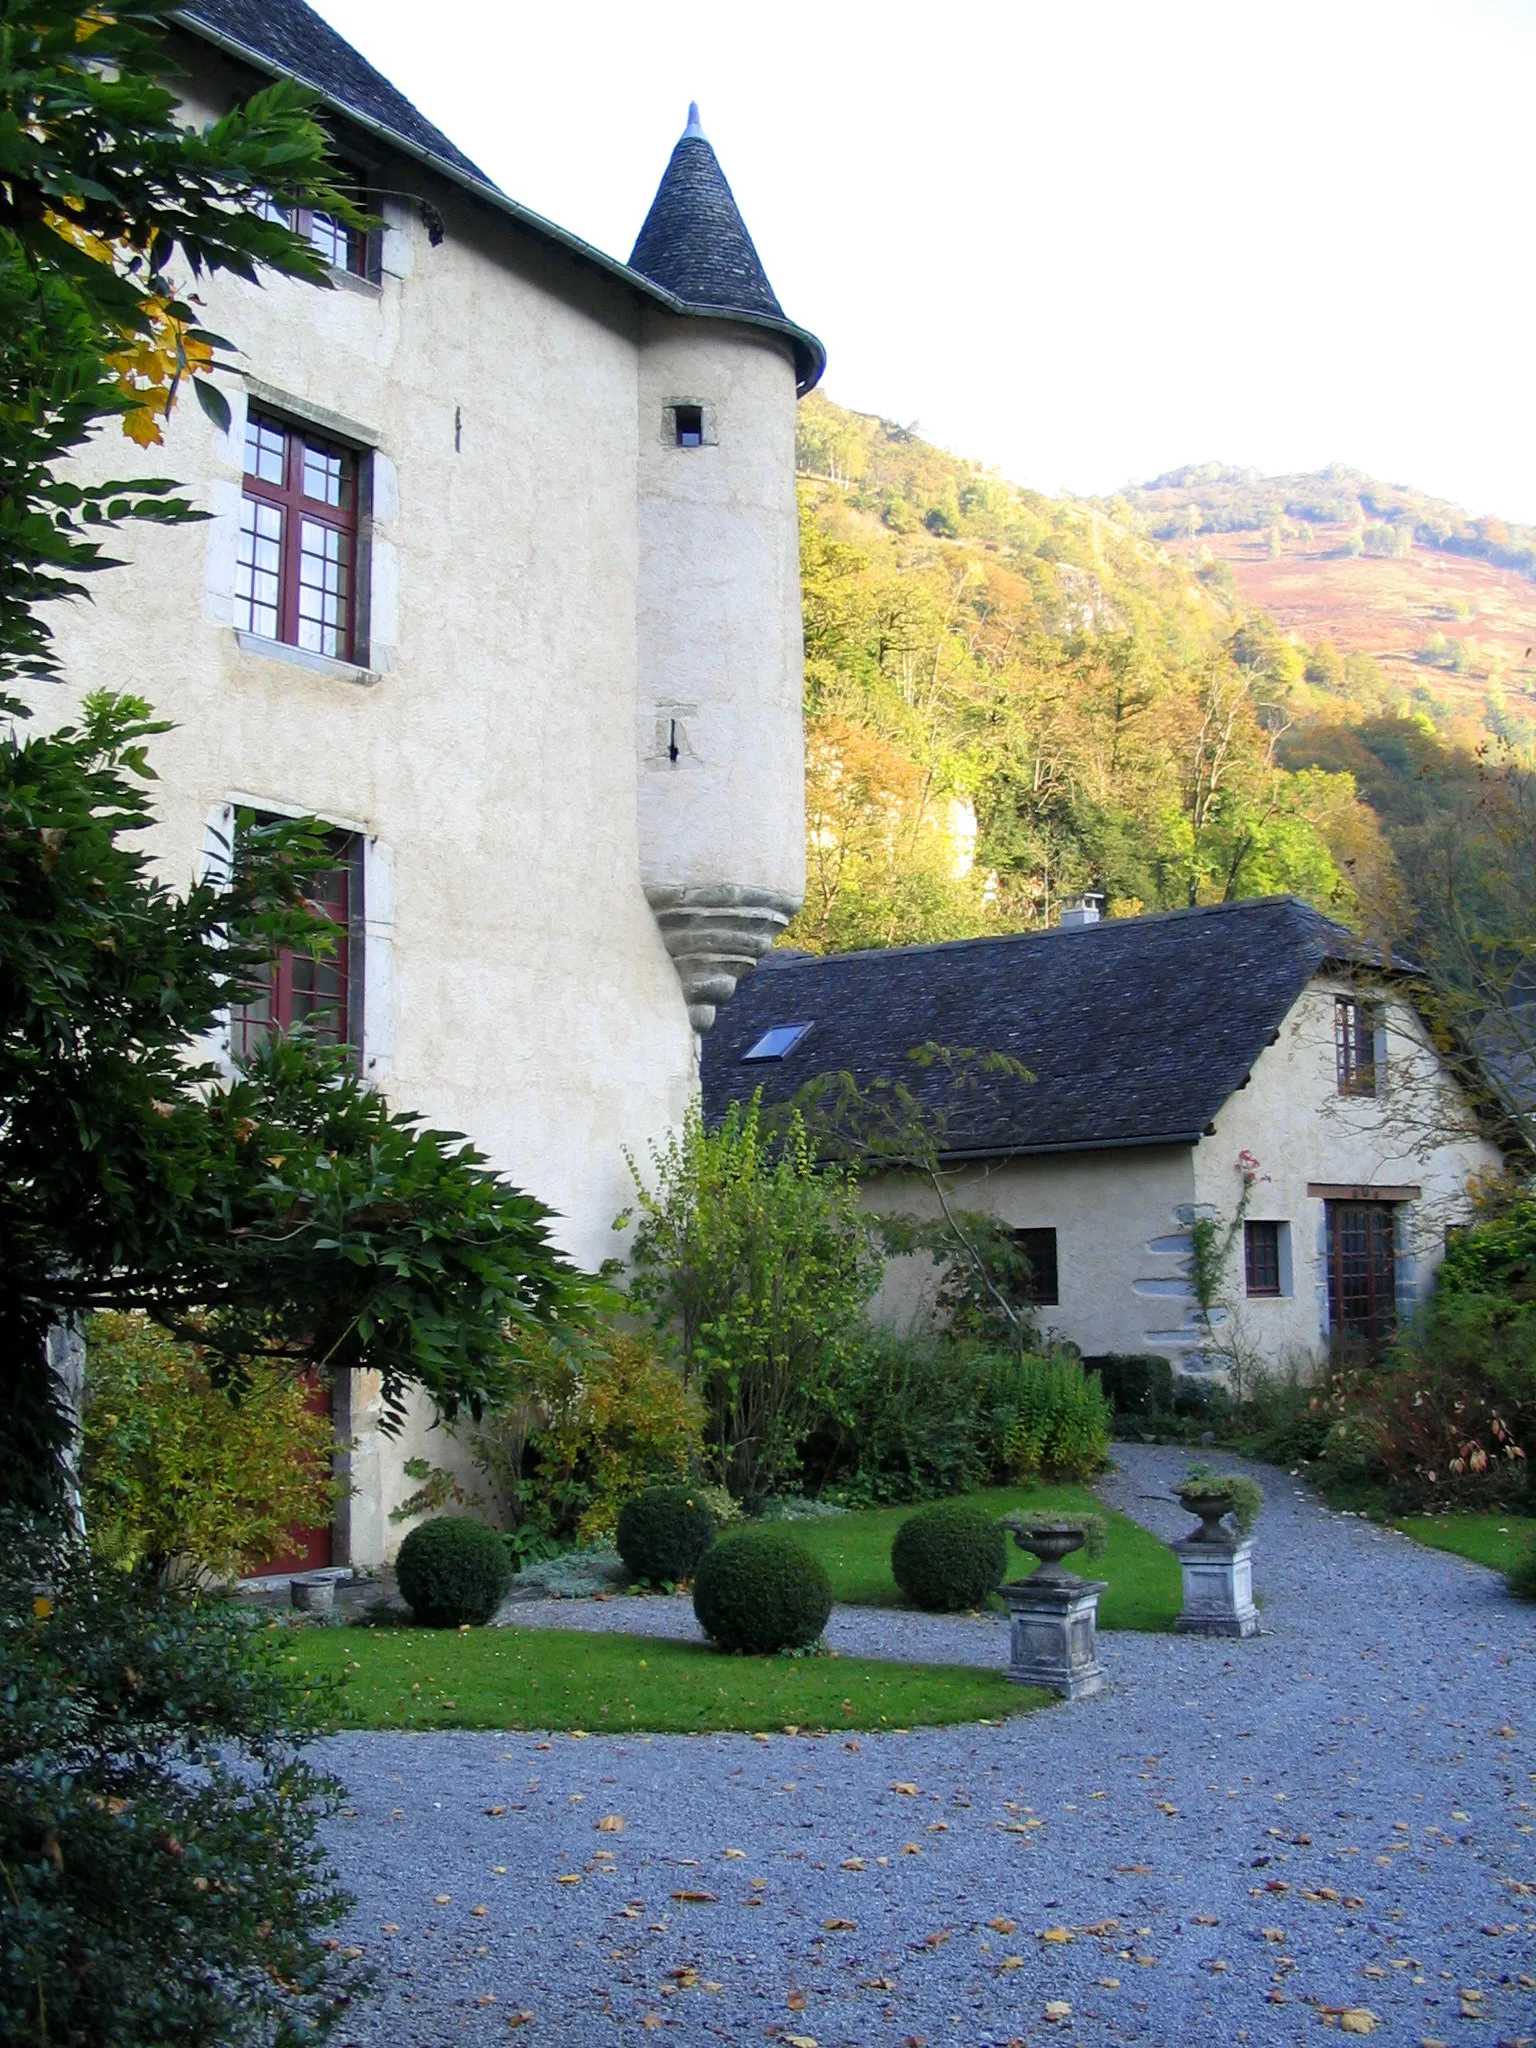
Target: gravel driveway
column 1238, row 1842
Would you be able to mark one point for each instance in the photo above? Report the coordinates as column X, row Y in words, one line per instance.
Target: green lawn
column 1492, row 1539
column 558, row 1679
column 1142, row 1573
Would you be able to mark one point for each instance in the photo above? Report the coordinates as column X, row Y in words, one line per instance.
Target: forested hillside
column 1014, row 698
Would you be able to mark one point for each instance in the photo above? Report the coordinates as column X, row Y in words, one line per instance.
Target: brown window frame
column 1261, row 1258
column 1354, row 1045
column 1037, row 1243
column 1362, row 1272
column 322, row 994
column 361, row 248
column 297, row 512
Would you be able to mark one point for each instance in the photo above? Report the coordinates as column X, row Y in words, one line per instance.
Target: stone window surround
column 378, row 990
column 709, row 436
column 376, row 626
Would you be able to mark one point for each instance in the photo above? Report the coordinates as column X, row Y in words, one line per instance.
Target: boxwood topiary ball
column 758, row 1590
column 664, row 1531
column 453, row 1570
column 949, row 1556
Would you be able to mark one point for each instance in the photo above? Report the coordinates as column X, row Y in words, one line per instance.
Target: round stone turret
column 720, row 733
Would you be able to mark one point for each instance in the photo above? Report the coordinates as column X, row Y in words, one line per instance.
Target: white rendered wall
column 487, row 748
column 718, row 717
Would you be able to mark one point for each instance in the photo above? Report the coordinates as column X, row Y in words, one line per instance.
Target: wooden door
column 1362, row 1272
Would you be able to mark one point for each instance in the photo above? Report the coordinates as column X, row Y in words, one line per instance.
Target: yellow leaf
column 1011, row 1963
column 840, row 1926
column 852, row 1863
column 1057, row 2009
column 42, row 1606
column 797, row 2001
column 478, row 1912
column 518, row 2019
column 1001, row 1926
column 611, row 1824
column 1057, row 1934
column 695, row 1898
column 1109, row 1983
column 906, row 1791
column 569, row 1877
column 910, row 1849
column 1357, row 2020
column 442, row 1898
column 495, row 1812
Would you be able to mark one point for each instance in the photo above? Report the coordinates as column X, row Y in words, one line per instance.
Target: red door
column 308, row 1547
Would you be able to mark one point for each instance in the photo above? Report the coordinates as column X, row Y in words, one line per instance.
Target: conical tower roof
column 695, row 245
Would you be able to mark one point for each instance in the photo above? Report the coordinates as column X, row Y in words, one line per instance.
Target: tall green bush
column 753, row 1263
column 173, row 1467
column 1055, row 1420
column 163, row 1879
column 908, row 1418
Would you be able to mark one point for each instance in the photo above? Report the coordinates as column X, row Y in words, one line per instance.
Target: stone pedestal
column 1218, row 1588
column 1052, row 1634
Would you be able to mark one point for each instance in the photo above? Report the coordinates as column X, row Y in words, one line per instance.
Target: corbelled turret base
column 716, row 934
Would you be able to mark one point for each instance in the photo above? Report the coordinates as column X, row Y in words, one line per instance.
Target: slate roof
column 699, row 237
column 294, row 41
column 1137, row 1030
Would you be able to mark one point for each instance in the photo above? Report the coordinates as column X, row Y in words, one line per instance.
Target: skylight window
column 778, row 1043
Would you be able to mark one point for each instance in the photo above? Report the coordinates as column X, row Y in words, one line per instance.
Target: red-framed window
column 1354, row 1040
column 296, row 562
column 342, row 247
column 1362, row 1271
column 1261, row 1256
column 323, row 995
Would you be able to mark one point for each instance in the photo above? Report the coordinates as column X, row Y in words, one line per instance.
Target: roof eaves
column 1071, row 1145
column 810, row 356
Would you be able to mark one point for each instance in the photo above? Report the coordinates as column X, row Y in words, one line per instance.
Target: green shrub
column 453, row 1570
column 663, row 1533
column 1134, row 1382
column 1496, row 1257
column 597, row 1416
column 753, row 1261
column 171, row 1466
column 759, row 1591
column 949, row 1556
column 159, row 1822
column 908, row 1418
column 1521, row 1576
column 1054, row 1419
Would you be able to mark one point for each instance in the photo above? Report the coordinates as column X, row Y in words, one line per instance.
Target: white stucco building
column 1247, row 1062
column 501, row 582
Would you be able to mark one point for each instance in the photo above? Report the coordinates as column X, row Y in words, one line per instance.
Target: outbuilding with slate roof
column 1254, row 1064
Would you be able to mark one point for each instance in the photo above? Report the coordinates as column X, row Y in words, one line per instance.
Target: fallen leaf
column 1099, row 1927
column 1057, row 2009
column 735, row 1855
column 841, row 1926
column 1109, row 1983
column 910, row 1849
column 1204, row 1920
column 1002, row 1926
column 1506, row 1730
column 478, row 1912
column 852, row 1863
column 1056, row 1934
column 695, row 1898
column 877, row 1983
column 936, row 1940
column 1011, row 1963
column 1273, row 1933
column 486, row 1998
column 906, row 1791
column 570, row 1877
column 495, row 1812
column 611, row 1824
column 798, row 2040
column 1164, row 1807
column 442, row 1898
column 521, row 2019
column 1357, row 2020
column 390, row 1927
column 797, row 2001
column 938, row 1827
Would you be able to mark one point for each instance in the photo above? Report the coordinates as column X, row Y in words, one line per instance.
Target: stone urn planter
column 1053, row 1615
column 1217, row 1564
column 313, row 1592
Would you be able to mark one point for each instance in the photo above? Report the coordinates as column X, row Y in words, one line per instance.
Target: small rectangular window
column 1040, row 1286
column 1354, row 1038
column 296, row 558
column 1261, row 1246
column 690, row 425
column 778, row 1043
column 344, row 248
column 322, row 994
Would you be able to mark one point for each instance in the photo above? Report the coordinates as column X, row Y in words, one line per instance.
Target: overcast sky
column 1079, row 240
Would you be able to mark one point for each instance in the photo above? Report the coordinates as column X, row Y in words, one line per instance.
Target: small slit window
column 778, row 1043
column 689, row 425
column 1354, row 1038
